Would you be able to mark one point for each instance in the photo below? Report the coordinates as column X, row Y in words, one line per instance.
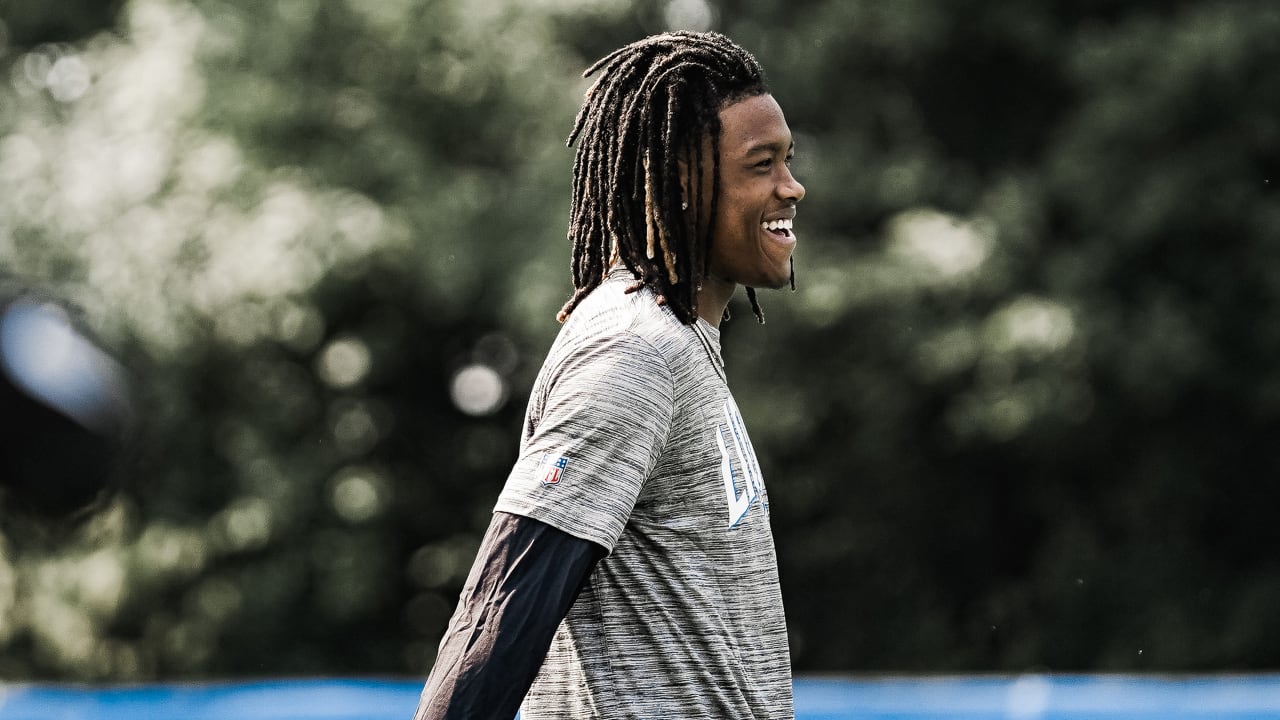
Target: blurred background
column 275, row 279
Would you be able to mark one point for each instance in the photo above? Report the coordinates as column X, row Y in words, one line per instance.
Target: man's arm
column 526, row 576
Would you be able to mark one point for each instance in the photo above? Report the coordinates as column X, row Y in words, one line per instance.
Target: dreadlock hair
column 652, row 105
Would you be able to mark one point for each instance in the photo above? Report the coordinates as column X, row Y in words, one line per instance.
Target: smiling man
column 629, row 570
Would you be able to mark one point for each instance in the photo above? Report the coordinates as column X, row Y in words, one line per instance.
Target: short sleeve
column 598, row 421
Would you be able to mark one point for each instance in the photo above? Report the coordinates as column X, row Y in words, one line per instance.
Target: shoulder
column 620, row 345
column 633, row 322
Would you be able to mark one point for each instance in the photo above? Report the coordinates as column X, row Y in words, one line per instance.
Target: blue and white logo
column 743, row 482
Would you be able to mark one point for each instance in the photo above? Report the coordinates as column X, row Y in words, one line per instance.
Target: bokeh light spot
column 345, row 362
column 217, row 598
column 36, row 66
column 1031, row 324
column 299, row 326
column 358, row 494
column 245, row 524
column 478, row 390
column 358, row 424
column 434, row 566
column 497, row 351
column 940, row 242
column 688, row 15
column 68, row 79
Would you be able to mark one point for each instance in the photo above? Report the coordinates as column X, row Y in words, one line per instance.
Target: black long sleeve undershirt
column 526, row 576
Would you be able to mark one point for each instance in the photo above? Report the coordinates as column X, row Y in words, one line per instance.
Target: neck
column 713, row 298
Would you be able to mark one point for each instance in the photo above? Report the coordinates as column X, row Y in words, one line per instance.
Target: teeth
column 777, row 225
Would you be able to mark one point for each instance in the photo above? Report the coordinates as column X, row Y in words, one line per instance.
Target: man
column 631, row 545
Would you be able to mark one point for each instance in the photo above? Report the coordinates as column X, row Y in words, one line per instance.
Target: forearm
column 525, row 578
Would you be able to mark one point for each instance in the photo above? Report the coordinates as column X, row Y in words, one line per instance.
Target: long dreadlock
column 651, row 106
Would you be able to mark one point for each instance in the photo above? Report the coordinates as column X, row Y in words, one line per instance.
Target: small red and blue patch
column 553, row 469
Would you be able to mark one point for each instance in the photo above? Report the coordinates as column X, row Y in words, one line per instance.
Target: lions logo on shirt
column 743, row 483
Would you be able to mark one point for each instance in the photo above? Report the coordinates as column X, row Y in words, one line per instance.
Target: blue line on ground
column 1026, row 697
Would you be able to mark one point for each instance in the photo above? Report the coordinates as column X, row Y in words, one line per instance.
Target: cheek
column 730, row 232
column 733, row 212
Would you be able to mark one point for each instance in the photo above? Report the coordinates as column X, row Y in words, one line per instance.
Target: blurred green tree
column 1017, row 414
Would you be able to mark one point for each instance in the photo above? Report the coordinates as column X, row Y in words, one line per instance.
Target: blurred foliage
column 1018, row 415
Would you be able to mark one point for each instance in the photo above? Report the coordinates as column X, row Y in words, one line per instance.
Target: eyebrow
column 770, row 147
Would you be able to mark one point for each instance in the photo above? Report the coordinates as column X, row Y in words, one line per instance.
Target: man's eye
column 767, row 162
column 789, row 159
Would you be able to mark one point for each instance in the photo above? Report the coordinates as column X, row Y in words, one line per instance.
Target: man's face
column 753, row 238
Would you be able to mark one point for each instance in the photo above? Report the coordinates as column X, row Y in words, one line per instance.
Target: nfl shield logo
column 552, row 469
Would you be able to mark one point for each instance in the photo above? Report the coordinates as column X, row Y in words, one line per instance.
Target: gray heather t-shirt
column 633, row 441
